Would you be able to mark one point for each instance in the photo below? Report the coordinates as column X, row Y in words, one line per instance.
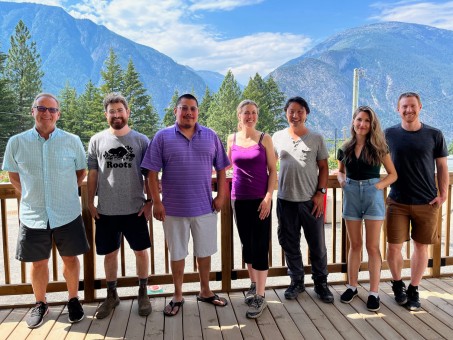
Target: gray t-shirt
column 298, row 175
column 120, row 179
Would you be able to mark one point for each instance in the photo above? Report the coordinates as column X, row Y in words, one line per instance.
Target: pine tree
column 68, row 109
column 276, row 100
column 222, row 116
column 204, row 107
column 112, row 75
column 23, row 72
column 90, row 113
column 169, row 117
column 144, row 117
column 6, row 108
column 270, row 101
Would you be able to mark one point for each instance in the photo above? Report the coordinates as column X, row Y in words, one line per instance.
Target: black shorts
column 36, row 244
column 109, row 229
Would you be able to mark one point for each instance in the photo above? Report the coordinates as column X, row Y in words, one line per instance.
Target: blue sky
column 246, row 36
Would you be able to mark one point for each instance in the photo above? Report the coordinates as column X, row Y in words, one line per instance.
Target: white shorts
column 204, row 233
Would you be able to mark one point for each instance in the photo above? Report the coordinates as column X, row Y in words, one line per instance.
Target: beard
column 117, row 123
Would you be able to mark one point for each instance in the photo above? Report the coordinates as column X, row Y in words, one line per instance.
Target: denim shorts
column 362, row 200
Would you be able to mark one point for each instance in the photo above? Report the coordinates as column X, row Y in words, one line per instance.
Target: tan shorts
column 204, row 234
column 418, row 220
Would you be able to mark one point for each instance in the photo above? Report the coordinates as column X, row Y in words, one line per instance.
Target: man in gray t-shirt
column 114, row 158
column 302, row 182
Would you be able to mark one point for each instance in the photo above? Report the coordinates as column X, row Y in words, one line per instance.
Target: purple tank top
column 250, row 175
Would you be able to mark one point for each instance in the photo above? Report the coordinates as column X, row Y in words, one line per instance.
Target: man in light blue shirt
column 46, row 165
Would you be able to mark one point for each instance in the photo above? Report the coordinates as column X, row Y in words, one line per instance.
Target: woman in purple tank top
column 252, row 155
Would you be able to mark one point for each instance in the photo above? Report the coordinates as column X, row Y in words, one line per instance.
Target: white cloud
column 439, row 15
column 226, row 5
column 166, row 26
column 59, row 3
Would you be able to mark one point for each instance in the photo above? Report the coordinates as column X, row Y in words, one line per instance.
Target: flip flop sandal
column 173, row 305
column 213, row 298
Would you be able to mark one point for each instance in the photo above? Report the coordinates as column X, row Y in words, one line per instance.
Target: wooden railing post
column 89, row 264
column 226, row 241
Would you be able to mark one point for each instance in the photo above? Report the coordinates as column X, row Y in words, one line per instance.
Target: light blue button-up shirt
column 47, row 171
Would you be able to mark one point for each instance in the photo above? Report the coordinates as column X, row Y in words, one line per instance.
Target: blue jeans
column 362, row 200
column 292, row 216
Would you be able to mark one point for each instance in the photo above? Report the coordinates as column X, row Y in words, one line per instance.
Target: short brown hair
column 115, row 97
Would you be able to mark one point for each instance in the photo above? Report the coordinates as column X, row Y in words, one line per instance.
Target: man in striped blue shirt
column 46, row 165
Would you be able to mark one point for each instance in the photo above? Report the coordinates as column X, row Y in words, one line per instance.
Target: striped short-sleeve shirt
column 47, row 171
column 186, row 166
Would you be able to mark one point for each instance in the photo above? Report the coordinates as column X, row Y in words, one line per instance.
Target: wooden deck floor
column 307, row 317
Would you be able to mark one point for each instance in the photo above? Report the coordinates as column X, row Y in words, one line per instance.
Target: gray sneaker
column 144, row 306
column 36, row 316
column 108, row 305
column 250, row 294
column 256, row 308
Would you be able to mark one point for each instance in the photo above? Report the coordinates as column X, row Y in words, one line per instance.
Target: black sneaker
column 413, row 300
column 399, row 291
column 250, row 294
column 373, row 303
column 75, row 310
column 296, row 287
column 349, row 295
column 36, row 316
column 323, row 291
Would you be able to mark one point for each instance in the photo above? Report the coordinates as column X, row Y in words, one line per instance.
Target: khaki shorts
column 418, row 220
column 204, row 233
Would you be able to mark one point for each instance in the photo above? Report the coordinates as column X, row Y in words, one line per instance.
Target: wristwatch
column 322, row 190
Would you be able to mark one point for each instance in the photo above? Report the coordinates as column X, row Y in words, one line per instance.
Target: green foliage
column 450, row 149
column 222, row 116
column 112, row 75
column 6, row 107
column 169, row 117
column 270, row 101
column 204, row 107
column 23, row 73
column 144, row 117
column 91, row 113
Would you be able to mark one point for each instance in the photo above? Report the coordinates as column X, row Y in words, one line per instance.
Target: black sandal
column 173, row 305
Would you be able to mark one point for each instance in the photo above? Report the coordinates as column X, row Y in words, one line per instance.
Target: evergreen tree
column 204, row 107
column 270, row 101
column 69, row 120
column 276, row 99
column 112, row 75
column 6, row 108
column 169, row 117
column 90, row 112
column 144, row 117
column 222, row 116
column 23, row 72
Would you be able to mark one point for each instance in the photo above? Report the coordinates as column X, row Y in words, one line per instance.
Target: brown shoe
column 108, row 305
column 144, row 306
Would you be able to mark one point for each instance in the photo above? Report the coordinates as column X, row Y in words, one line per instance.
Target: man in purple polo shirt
column 186, row 153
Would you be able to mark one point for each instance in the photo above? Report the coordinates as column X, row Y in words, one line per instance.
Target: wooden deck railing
column 229, row 267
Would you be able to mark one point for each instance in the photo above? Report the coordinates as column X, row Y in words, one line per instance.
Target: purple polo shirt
column 186, row 168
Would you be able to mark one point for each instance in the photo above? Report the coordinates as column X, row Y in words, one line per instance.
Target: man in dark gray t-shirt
column 114, row 158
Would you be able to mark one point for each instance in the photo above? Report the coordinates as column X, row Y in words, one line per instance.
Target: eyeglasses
column 43, row 109
column 120, row 111
column 186, row 108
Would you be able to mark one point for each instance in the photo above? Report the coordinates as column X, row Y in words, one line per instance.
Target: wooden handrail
column 90, row 284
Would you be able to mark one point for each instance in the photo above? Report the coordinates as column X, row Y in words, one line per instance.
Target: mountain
column 212, row 79
column 394, row 57
column 74, row 50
